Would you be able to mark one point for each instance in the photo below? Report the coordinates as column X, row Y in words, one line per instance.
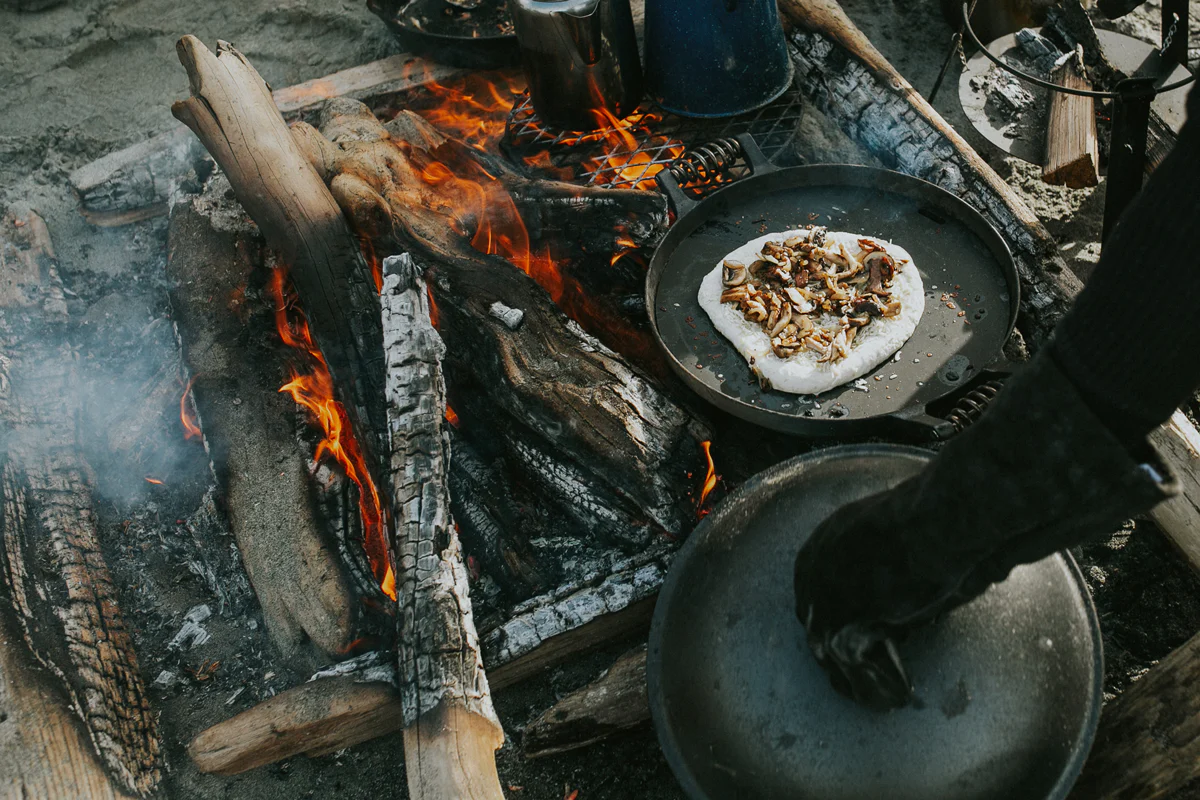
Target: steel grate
column 630, row 152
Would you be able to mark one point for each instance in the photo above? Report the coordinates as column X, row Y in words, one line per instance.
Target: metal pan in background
column 1008, row 687
column 957, row 252
column 480, row 38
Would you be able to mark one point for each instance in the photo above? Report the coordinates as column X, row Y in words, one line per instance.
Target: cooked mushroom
column 882, row 268
column 785, row 317
column 867, row 304
column 734, row 274
column 892, row 309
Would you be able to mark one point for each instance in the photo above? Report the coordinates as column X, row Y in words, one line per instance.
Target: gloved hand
column 1037, row 473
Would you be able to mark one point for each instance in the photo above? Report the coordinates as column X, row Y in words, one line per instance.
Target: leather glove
column 1039, row 472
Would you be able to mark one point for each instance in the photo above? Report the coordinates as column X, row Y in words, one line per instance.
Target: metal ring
column 1054, row 87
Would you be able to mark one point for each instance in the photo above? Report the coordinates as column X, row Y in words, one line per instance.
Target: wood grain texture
column 1072, row 153
column 53, row 577
column 614, row 702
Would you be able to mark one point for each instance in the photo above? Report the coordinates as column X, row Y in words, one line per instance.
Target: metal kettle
column 715, row 58
column 580, row 56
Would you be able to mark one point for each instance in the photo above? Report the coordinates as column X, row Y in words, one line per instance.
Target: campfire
column 432, row 447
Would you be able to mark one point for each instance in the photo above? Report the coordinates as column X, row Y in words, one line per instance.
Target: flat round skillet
column 971, row 293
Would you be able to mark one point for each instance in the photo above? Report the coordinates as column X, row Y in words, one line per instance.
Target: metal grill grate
column 630, row 152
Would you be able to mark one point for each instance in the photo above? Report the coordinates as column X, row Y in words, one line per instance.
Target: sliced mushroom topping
column 734, row 274
column 785, row 318
column 892, row 309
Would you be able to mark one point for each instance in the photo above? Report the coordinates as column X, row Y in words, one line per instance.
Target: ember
column 314, row 391
column 187, row 413
column 710, row 481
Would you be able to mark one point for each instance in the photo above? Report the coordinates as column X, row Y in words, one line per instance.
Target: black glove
column 1036, row 474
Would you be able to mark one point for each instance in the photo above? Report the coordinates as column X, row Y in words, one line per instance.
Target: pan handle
column 951, row 415
column 701, row 164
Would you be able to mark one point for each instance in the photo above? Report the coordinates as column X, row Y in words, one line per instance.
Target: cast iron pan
column 954, row 248
column 482, row 38
column 1008, row 687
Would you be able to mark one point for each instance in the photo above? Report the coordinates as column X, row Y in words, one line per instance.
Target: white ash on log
column 56, row 588
column 614, row 702
column 851, row 82
column 249, row 431
column 234, row 115
column 450, row 727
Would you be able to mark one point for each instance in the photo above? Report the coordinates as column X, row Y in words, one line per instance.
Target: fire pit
column 453, row 298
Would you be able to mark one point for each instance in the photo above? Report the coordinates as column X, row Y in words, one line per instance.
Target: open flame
column 187, row 413
column 471, row 106
column 710, row 480
column 314, row 391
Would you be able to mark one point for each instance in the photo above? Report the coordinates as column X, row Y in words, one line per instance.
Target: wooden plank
column 1072, row 154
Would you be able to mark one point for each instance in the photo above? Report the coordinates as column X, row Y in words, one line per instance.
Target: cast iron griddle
column 1008, row 686
column 954, row 248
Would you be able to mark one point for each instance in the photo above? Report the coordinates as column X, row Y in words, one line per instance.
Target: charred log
column 249, row 430
column 450, row 727
column 53, row 577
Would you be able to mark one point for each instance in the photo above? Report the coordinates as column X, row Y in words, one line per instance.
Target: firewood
column 556, row 382
column 136, row 182
column 450, row 727
column 849, row 80
column 60, row 605
column 233, row 114
column 1148, row 745
column 614, row 702
column 250, row 433
column 1072, row 157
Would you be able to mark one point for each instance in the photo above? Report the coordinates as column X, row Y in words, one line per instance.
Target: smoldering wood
column 56, row 585
column 248, row 426
column 614, row 702
column 1148, row 744
column 138, row 181
column 450, row 726
column 854, row 85
column 1072, row 154
column 550, row 377
column 233, row 113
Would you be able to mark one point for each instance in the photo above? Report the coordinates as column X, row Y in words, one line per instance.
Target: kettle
column 580, row 56
column 715, row 58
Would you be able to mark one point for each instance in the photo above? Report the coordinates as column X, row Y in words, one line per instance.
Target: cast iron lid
column 1008, row 686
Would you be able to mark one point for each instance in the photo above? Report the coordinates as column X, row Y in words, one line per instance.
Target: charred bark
column 249, row 431
column 52, row 573
column 450, row 727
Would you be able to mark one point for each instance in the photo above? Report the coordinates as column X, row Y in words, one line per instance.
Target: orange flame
column 187, row 414
column 471, row 106
column 710, row 479
column 314, row 391
column 451, row 416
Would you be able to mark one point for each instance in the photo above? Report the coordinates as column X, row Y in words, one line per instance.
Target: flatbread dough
column 800, row 373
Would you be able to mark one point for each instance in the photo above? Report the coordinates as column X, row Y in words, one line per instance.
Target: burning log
column 250, row 433
column 232, row 112
column 614, row 702
column 552, row 381
column 849, row 80
column 60, row 604
column 450, row 728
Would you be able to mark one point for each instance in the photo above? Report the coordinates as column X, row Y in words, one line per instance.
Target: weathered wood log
column 249, row 430
column 852, row 83
column 1072, row 156
column 53, row 578
column 232, row 112
column 450, row 727
column 614, row 702
column 590, row 404
column 1148, row 745
column 136, row 182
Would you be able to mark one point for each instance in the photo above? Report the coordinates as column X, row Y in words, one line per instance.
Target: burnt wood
column 56, row 590
column 234, row 115
column 249, row 428
column 450, row 726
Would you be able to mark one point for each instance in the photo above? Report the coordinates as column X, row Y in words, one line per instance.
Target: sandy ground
column 91, row 76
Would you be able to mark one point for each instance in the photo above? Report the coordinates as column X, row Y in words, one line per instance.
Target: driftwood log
column 1148, row 745
column 249, row 430
column 59, row 602
column 233, row 114
column 1072, row 154
column 614, row 702
column 450, row 727
column 137, row 182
